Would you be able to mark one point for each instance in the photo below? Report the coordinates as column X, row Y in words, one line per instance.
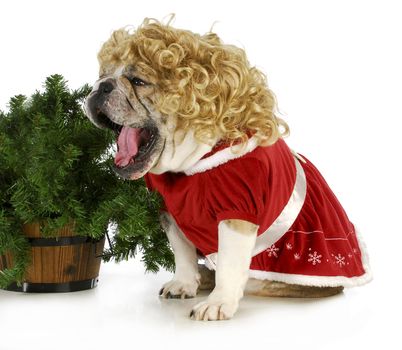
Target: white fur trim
column 306, row 280
column 222, row 157
column 321, row 281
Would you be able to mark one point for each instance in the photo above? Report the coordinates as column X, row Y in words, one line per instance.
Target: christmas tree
column 55, row 168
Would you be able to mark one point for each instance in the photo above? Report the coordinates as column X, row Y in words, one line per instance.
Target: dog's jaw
column 118, row 104
column 175, row 150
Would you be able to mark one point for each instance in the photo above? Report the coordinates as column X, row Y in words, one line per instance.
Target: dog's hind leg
column 207, row 281
column 267, row 288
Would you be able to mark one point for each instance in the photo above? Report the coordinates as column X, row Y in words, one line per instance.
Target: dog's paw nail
column 177, row 289
column 214, row 310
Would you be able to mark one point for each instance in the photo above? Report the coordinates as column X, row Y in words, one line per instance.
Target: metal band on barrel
column 75, row 286
column 59, row 241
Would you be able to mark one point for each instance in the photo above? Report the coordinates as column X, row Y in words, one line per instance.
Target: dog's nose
column 106, row 87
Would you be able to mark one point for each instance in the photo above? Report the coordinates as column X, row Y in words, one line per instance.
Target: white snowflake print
column 350, row 255
column 315, row 258
column 289, row 246
column 355, row 250
column 297, row 256
column 340, row 260
column 272, row 251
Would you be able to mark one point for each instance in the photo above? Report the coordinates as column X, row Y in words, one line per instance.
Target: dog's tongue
column 127, row 146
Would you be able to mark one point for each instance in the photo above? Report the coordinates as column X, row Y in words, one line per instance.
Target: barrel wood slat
column 67, row 263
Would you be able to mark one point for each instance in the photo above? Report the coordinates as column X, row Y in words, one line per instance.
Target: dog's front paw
column 178, row 289
column 214, row 309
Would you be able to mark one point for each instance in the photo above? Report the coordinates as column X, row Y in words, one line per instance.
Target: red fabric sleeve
column 236, row 190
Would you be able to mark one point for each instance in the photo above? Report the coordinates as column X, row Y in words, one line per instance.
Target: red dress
column 304, row 235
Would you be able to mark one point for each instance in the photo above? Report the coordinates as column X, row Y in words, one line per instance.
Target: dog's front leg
column 186, row 279
column 236, row 242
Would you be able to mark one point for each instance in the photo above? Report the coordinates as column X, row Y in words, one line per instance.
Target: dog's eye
column 137, row 81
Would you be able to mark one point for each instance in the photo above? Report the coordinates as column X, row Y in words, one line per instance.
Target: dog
column 196, row 120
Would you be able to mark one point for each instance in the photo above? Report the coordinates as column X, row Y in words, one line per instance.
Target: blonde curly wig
column 209, row 86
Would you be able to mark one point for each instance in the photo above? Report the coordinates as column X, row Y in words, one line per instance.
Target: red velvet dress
column 305, row 235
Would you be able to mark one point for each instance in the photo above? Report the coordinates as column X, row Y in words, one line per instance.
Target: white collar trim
column 222, row 157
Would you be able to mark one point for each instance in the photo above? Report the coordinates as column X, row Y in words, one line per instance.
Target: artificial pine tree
column 55, row 168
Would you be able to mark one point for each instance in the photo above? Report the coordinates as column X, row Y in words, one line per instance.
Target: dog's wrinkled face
column 171, row 95
column 123, row 100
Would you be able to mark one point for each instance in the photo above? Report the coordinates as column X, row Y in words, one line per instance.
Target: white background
column 335, row 67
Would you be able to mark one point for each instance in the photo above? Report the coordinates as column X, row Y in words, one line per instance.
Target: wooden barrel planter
column 66, row 263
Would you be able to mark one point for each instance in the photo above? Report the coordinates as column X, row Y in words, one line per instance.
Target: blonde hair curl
column 209, row 86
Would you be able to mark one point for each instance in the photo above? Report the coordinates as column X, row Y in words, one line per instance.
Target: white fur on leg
column 234, row 257
column 186, row 279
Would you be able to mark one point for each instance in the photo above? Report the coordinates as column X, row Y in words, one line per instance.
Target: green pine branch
column 55, row 167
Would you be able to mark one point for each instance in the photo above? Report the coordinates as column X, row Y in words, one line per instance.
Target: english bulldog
column 194, row 118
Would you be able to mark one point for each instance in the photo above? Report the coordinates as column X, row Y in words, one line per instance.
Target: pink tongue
column 127, row 146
